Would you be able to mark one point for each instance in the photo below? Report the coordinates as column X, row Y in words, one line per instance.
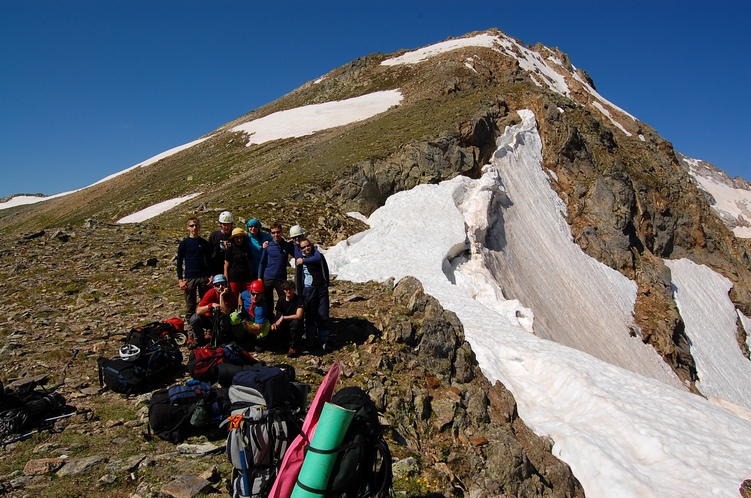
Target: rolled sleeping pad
column 317, row 465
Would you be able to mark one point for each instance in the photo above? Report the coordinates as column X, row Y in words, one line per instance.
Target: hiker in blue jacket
column 312, row 282
column 274, row 263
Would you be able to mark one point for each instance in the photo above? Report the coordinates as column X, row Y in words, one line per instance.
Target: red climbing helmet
column 257, row 286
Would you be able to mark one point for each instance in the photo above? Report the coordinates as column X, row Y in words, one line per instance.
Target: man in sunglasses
column 312, row 282
column 217, row 304
column 193, row 253
column 274, row 263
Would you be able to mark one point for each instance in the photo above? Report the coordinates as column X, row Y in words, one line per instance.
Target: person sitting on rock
column 254, row 315
column 237, row 262
column 216, row 305
column 288, row 323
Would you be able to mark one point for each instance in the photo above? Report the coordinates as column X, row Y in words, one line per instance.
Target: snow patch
column 156, row 209
column 309, row 119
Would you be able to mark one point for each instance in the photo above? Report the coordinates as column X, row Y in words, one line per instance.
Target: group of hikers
column 230, row 282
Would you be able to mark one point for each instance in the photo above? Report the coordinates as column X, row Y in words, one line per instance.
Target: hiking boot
column 293, row 353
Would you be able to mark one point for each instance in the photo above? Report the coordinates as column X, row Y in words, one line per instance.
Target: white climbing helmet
column 226, row 217
column 130, row 352
column 296, row 231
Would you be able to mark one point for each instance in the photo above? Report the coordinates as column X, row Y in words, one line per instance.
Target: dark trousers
column 271, row 285
column 290, row 332
column 220, row 331
column 316, row 312
column 194, row 290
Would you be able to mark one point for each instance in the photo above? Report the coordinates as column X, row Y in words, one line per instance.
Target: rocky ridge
column 81, row 288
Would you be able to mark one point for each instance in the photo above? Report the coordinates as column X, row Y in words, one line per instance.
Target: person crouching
column 254, row 316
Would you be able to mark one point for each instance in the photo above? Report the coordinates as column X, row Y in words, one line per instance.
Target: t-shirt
column 286, row 308
column 239, row 263
column 257, row 312
column 212, row 297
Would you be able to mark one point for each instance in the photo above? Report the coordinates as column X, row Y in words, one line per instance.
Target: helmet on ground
column 296, row 231
column 226, row 217
column 235, row 318
column 257, row 286
column 130, row 352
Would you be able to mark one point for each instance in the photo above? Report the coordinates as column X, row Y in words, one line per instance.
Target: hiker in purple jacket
column 274, row 263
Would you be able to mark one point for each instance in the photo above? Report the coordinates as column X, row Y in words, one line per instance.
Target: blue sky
column 91, row 87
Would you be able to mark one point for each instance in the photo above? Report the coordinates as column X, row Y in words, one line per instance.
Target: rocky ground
column 82, row 288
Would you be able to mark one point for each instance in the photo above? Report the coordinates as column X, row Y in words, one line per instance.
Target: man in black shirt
column 193, row 253
column 289, row 318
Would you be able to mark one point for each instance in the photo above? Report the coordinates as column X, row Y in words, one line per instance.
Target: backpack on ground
column 182, row 411
column 363, row 466
column 171, row 329
column 31, row 406
column 265, row 419
column 220, row 364
column 137, row 374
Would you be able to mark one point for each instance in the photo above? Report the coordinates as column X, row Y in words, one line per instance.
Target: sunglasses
column 304, row 247
column 220, row 285
column 277, row 232
column 256, row 293
column 193, row 226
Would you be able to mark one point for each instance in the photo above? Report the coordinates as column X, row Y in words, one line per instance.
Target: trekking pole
column 84, row 411
column 22, row 436
column 65, row 368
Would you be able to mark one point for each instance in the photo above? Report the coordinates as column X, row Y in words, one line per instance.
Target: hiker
column 237, row 262
column 218, row 242
column 255, row 313
column 312, row 282
column 288, row 321
column 274, row 263
column 194, row 254
column 296, row 233
column 217, row 304
column 256, row 240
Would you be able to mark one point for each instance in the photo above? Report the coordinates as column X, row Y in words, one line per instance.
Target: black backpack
column 155, row 365
column 182, row 411
column 31, row 406
column 363, row 466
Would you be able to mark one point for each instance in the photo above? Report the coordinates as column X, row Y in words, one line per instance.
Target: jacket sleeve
column 180, row 259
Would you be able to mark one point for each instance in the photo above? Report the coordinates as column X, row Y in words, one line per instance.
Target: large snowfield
column 549, row 322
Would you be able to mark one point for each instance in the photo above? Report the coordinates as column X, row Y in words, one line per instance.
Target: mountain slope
column 629, row 201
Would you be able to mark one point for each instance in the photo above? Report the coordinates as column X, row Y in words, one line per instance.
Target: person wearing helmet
column 256, row 240
column 254, row 314
column 194, row 254
column 218, row 242
column 237, row 262
column 217, row 304
column 274, row 263
column 312, row 282
column 295, row 234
